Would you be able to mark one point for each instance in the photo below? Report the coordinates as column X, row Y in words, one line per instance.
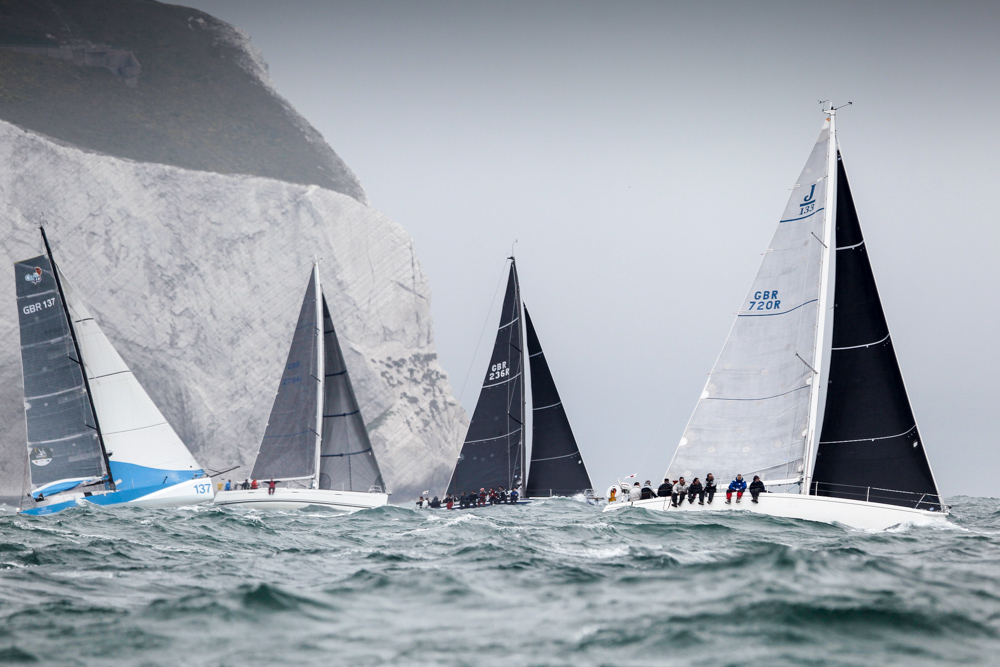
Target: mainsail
column 870, row 448
column 557, row 469
column 347, row 461
column 64, row 449
column 288, row 449
column 493, row 453
column 753, row 416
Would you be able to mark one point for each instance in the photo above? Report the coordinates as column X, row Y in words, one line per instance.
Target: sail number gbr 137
column 765, row 300
column 41, row 305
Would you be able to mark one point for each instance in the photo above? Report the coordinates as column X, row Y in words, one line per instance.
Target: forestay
column 288, row 448
column 347, row 461
column 63, row 446
column 557, row 468
column 752, row 417
column 493, row 453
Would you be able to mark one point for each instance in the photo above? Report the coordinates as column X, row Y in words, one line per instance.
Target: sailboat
column 315, row 442
column 493, row 454
column 94, row 435
column 807, row 392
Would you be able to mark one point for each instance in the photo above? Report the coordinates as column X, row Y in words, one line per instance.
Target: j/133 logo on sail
column 809, row 201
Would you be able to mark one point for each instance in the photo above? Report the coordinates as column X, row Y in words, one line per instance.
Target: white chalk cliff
column 197, row 279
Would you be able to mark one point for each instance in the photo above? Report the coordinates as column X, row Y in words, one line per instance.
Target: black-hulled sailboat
column 493, row 455
column 315, row 444
column 807, row 392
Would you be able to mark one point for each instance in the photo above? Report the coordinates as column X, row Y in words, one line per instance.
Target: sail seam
column 327, row 456
column 497, row 384
column 765, row 398
column 781, row 313
column 107, row 375
column 802, row 218
column 343, row 414
column 290, row 435
column 34, row 443
column 854, row 347
column 129, row 430
column 883, row 437
column 545, row 407
column 553, row 458
column 496, row 437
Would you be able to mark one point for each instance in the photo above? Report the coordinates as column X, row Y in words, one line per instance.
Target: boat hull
column 293, row 499
column 188, row 492
column 852, row 513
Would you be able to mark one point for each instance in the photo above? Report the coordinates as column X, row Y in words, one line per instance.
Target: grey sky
column 641, row 154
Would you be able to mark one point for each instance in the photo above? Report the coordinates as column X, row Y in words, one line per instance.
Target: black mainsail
column 869, row 448
column 493, row 453
column 64, row 447
column 288, row 449
column 347, row 461
column 557, row 468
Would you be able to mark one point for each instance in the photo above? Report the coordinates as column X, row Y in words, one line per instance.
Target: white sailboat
column 315, row 444
column 94, row 435
column 807, row 392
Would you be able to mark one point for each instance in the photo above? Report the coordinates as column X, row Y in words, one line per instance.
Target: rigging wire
column 481, row 333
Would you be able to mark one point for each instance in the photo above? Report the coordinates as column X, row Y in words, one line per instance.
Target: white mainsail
column 753, row 416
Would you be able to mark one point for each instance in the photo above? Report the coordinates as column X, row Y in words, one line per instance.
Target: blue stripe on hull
column 135, row 482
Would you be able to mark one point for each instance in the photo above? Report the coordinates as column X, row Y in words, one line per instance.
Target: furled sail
column 347, row 461
column 63, row 445
column 753, row 415
column 493, row 453
column 557, row 469
column 288, row 448
column 870, row 448
column 143, row 448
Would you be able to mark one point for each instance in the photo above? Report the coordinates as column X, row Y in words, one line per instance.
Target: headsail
column 493, row 452
column 63, row 446
column 557, row 469
column 347, row 461
column 144, row 449
column 288, row 449
column 869, row 436
column 753, row 415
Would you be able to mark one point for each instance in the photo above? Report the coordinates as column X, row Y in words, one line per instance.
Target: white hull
column 189, row 492
column 293, row 499
column 852, row 513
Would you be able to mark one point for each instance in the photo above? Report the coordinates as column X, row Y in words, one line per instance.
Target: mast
column 79, row 359
column 320, row 372
column 824, row 324
column 522, row 478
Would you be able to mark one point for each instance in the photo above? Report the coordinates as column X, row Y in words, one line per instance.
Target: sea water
column 554, row 582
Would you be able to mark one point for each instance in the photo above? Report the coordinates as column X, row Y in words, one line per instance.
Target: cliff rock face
column 197, row 278
column 156, row 83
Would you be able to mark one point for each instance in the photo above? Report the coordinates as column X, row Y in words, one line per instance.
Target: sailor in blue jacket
column 738, row 485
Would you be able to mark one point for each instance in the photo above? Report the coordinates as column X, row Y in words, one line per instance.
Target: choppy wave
column 555, row 583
